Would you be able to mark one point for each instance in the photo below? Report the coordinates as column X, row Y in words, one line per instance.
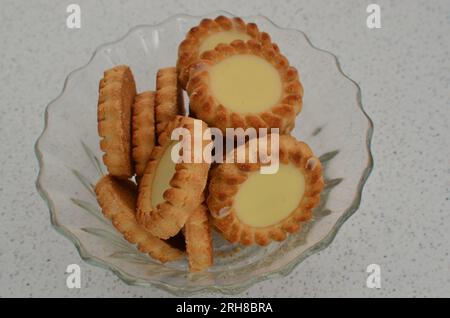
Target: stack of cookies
column 235, row 77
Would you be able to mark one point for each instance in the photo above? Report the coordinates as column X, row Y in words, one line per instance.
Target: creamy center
column 163, row 174
column 266, row 199
column 246, row 83
column 222, row 37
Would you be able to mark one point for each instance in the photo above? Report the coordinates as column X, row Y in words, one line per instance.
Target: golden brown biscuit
column 198, row 240
column 231, row 29
column 116, row 95
column 117, row 198
column 245, row 85
column 169, row 98
column 169, row 192
column 277, row 208
column 143, row 130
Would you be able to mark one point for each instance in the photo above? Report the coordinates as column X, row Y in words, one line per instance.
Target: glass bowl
column 332, row 122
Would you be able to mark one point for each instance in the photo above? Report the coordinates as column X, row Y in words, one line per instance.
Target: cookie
column 117, row 198
column 169, row 192
column 244, row 85
column 198, row 240
column 117, row 90
column 169, row 98
column 208, row 34
column 250, row 207
column 143, row 130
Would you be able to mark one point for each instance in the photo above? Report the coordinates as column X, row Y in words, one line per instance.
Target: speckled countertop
column 403, row 223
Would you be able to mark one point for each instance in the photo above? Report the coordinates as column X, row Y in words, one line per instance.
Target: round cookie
column 243, row 85
column 169, row 192
column 143, row 130
column 250, row 207
column 117, row 198
column 198, row 240
column 117, row 90
column 168, row 99
column 208, row 34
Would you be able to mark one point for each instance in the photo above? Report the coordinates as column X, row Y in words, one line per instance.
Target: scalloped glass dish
column 332, row 122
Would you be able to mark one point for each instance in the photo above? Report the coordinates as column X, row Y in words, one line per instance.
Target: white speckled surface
column 403, row 223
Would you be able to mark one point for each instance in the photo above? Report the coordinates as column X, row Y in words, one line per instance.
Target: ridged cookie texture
column 188, row 50
column 206, row 106
column 143, row 130
column 169, row 98
column 198, row 240
column 226, row 179
column 117, row 198
column 185, row 193
column 117, row 90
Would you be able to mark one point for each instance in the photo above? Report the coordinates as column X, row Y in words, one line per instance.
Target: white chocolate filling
column 246, row 83
column 266, row 199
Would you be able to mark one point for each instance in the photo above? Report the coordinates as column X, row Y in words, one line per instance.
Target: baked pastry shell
column 143, row 130
column 118, row 201
column 117, row 90
column 168, row 98
column 227, row 178
column 199, row 247
column 188, row 50
column 184, row 194
column 206, row 107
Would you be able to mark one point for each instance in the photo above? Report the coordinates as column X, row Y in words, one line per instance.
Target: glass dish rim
column 224, row 289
